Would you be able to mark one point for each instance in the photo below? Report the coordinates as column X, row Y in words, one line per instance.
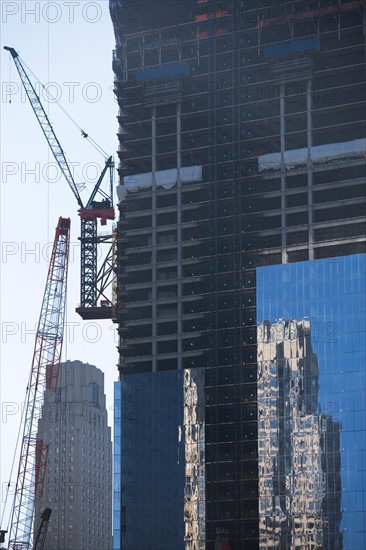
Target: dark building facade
column 242, row 144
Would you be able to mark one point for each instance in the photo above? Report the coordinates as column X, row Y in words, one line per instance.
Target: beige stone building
column 78, row 482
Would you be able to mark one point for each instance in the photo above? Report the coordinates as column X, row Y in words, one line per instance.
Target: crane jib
column 52, row 139
column 46, row 126
column 98, row 207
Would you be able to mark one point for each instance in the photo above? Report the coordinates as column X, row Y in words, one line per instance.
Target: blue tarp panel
column 292, row 47
column 158, row 72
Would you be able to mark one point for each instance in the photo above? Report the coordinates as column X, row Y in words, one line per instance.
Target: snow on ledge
column 163, row 178
column 320, row 153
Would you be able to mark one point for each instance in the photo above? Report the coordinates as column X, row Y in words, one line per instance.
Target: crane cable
column 13, row 463
column 10, row 65
column 72, row 120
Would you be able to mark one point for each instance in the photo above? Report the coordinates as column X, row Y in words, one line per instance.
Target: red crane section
column 44, row 374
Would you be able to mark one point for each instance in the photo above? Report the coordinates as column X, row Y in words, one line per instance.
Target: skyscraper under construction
column 242, row 154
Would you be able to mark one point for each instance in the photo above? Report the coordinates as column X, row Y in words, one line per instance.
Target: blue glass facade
column 117, row 468
column 159, row 454
column 312, row 404
column 149, row 482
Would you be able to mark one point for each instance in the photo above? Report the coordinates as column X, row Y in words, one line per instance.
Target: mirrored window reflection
column 311, row 404
column 194, row 443
column 160, row 461
column 299, row 482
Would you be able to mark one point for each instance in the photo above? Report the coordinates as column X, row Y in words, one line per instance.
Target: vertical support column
column 124, row 60
column 259, row 32
column 179, row 236
column 153, row 241
column 88, row 262
column 339, row 19
column 283, row 175
column 310, row 169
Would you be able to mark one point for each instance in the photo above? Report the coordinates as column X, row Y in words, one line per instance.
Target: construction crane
column 44, row 375
column 93, row 283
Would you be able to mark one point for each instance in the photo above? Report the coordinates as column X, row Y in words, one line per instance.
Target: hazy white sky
column 68, row 45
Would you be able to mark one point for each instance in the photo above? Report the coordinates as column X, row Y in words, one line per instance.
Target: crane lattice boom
column 44, row 374
column 46, row 126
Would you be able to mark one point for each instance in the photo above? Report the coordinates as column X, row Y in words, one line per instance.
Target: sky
column 68, row 46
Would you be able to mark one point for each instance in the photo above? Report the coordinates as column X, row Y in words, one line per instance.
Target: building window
column 95, row 393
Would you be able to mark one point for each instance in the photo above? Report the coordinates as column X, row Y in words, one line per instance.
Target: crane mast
column 89, row 214
column 44, row 375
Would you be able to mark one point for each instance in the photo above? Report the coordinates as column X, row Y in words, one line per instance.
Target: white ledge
column 163, row 178
column 319, row 153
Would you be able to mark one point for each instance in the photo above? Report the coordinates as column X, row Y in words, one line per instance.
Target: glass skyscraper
column 311, row 381
column 241, row 145
column 160, row 461
column 312, row 404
